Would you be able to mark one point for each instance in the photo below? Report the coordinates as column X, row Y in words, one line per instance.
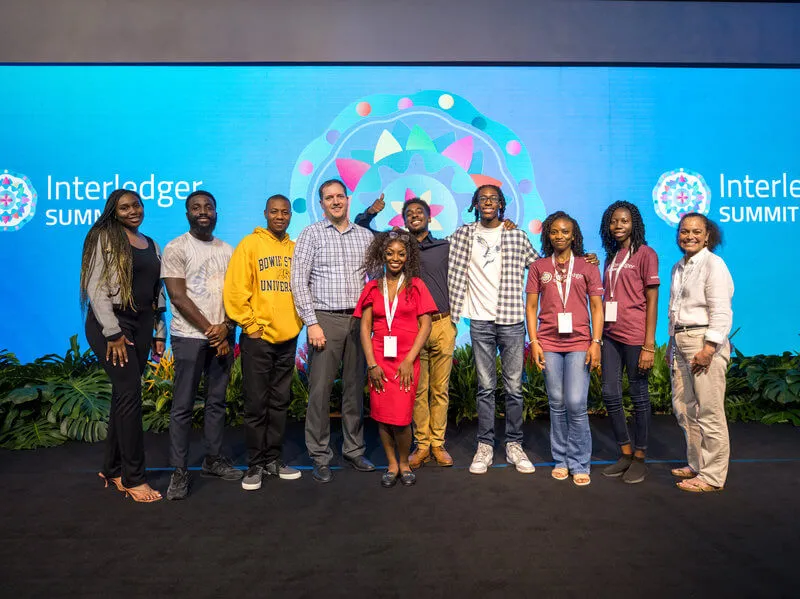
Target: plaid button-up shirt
column 326, row 268
column 516, row 253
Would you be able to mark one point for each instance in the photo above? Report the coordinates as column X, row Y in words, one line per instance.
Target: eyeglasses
column 396, row 235
column 489, row 199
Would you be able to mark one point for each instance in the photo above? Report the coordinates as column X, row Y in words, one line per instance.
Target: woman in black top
column 121, row 283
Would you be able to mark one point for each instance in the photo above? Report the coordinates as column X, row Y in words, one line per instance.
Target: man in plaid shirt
column 486, row 279
column 327, row 279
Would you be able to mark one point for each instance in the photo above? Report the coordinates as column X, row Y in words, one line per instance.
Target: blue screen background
column 589, row 136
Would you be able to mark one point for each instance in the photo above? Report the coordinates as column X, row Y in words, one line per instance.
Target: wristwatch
column 598, row 341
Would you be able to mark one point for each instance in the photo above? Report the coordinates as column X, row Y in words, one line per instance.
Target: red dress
column 394, row 406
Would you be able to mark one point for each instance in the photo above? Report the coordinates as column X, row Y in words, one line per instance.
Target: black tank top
column 146, row 282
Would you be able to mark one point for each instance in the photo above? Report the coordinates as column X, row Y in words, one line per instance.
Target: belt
column 439, row 316
column 348, row 311
column 689, row 327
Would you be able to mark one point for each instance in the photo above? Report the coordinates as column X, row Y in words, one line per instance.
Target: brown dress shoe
column 441, row 456
column 418, row 457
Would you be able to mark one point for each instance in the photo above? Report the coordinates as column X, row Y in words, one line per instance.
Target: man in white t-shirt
column 193, row 267
column 486, row 280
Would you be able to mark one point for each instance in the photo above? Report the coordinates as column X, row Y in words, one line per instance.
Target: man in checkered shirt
column 486, row 279
column 327, row 280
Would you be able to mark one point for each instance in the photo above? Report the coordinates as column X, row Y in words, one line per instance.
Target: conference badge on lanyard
column 611, row 306
column 390, row 341
column 564, row 317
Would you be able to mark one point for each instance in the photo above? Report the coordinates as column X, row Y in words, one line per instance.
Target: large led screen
column 720, row 141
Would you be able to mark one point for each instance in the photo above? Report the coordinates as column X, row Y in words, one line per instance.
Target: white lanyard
column 561, row 293
column 612, row 282
column 391, row 311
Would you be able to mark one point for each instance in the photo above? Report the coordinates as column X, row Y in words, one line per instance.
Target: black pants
column 616, row 356
column 125, row 439
column 267, row 370
column 193, row 357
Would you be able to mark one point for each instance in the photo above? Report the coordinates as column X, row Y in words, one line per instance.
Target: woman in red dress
column 395, row 310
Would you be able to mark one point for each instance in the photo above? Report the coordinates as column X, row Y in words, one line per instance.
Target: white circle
column 446, row 101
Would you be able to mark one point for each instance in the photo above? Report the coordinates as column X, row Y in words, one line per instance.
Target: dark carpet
column 502, row 534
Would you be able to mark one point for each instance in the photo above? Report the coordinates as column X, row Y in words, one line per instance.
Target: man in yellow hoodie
column 258, row 296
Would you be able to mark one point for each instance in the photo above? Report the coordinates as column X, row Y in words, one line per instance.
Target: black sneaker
column 281, row 470
column 619, row 467
column 252, row 480
column 636, row 473
column 178, row 484
column 220, row 467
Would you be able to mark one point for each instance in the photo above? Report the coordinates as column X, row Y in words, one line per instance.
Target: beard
column 201, row 228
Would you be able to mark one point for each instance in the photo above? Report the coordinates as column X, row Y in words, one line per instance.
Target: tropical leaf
column 88, row 396
column 32, row 434
column 83, row 429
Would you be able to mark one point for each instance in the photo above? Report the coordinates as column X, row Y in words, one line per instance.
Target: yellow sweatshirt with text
column 258, row 292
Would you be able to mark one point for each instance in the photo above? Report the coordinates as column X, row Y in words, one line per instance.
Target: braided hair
column 610, row 245
column 577, row 236
column 473, row 207
column 117, row 257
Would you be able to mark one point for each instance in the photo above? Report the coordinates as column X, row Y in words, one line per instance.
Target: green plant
column 463, row 385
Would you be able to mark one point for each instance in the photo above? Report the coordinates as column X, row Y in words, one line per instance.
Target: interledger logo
column 679, row 192
column 17, row 201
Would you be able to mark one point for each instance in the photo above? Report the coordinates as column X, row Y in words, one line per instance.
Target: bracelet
column 648, row 349
column 371, row 367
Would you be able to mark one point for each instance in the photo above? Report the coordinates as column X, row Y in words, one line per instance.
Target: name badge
column 564, row 322
column 389, row 346
column 611, row 311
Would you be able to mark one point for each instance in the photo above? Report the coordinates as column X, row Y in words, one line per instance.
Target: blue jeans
column 617, row 355
column 487, row 337
column 566, row 377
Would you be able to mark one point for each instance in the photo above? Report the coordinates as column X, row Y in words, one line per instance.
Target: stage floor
column 502, row 534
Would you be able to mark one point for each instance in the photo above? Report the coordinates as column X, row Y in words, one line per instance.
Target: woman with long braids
column 700, row 319
column 395, row 310
column 120, row 282
column 631, row 306
column 564, row 343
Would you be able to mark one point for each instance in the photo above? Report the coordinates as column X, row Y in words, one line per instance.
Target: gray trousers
column 193, row 357
column 342, row 347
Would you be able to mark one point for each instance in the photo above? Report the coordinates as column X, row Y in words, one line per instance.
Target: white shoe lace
column 483, row 454
column 516, row 454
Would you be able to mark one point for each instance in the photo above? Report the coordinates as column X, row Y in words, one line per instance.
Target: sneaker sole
column 471, row 471
column 251, row 486
column 614, row 474
column 176, row 497
column 521, row 469
column 294, row 476
column 205, row 474
column 633, row 482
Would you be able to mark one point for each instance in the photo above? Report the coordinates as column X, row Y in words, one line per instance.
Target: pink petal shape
column 435, row 210
column 460, row 151
column 351, row 171
column 397, row 221
column 409, row 194
column 486, row 180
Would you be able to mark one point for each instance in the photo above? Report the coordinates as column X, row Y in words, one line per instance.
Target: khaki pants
column 436, row 362
column 698, row 402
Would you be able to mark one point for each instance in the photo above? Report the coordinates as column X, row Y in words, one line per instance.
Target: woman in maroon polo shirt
column 631, row 305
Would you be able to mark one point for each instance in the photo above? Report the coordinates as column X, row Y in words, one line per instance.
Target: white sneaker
column 515, row 455
column 482, row 459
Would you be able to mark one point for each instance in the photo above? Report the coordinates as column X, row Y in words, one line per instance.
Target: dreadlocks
column 577, row 236
column 117, row 258
column 610, row 245
column 473, row 207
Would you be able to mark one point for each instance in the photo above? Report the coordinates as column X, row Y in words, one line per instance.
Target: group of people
column 383, row 307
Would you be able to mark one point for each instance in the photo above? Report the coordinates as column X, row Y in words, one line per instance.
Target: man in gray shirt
column 327, row 280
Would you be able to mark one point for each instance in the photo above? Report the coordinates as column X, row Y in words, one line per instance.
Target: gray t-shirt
column 203, row 265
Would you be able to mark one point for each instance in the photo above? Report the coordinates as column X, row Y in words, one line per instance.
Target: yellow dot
column 446, row 101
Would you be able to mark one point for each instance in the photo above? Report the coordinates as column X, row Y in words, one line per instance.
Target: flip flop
column 581, row 480
column 692, row 485
column 560, row 473
column 683, row 472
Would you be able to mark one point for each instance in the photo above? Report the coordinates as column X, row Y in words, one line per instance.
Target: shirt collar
column 697, row 258
column 328, row 223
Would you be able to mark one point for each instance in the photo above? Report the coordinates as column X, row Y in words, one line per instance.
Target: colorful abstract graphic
column 17, row 201
column 433, row 144
column 679, row 192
